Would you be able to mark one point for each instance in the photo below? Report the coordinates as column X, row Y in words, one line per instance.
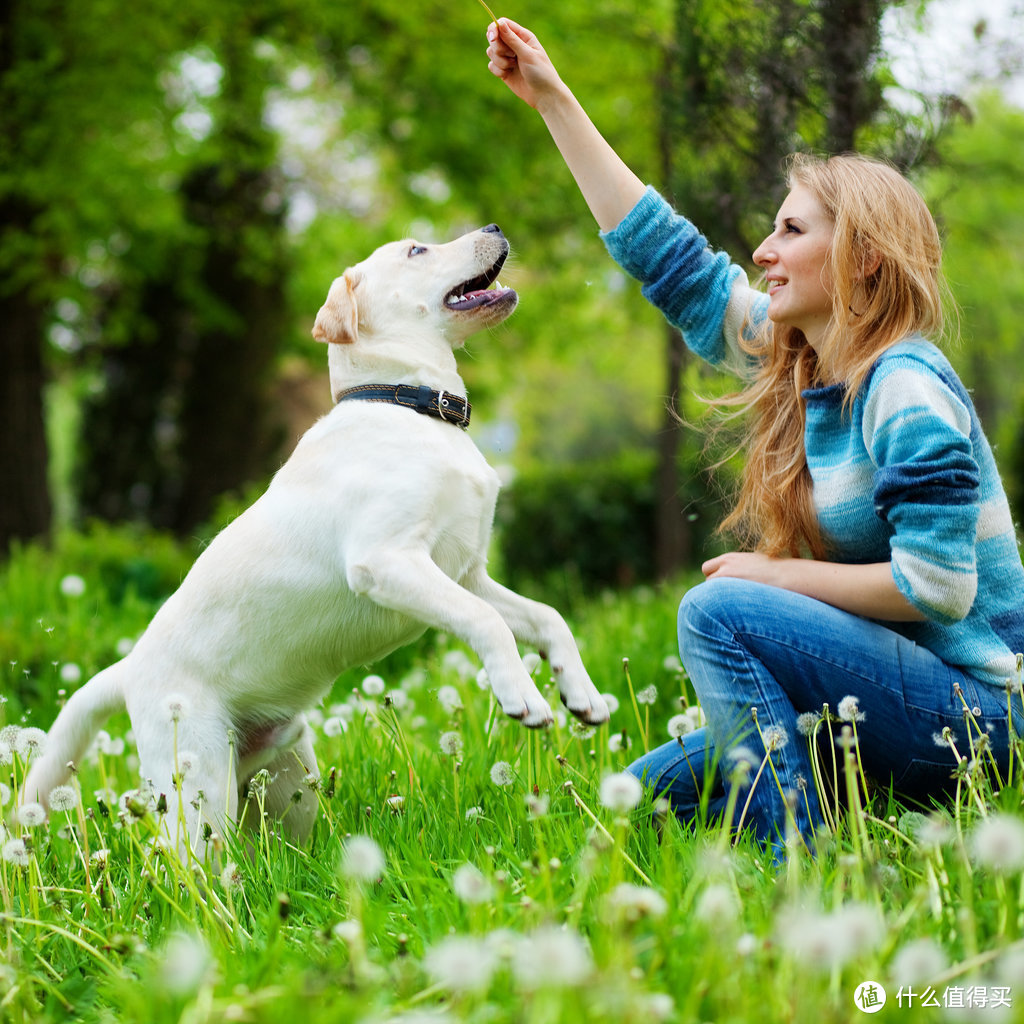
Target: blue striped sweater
column 907, row 476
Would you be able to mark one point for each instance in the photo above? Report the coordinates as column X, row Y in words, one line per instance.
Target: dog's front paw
column 520, row 699
column 591, row 709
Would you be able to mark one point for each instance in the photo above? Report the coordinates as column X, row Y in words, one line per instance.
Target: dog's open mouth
column 477, row 291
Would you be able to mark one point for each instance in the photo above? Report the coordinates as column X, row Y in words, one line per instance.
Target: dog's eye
column 417, row 250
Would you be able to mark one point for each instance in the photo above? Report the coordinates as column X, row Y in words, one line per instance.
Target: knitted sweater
column 906, row 476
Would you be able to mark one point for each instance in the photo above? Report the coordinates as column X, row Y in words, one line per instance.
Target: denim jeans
column 751, row 646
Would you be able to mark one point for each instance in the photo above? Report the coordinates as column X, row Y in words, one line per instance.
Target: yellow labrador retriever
column 376, row 528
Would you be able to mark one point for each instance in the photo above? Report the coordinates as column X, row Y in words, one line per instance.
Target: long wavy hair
column 883, row 264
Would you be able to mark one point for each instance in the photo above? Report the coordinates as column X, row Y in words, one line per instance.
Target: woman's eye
column 792, row 229
column 417, row 250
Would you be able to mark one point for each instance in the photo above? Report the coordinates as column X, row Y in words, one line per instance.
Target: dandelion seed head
column 658, row 1006
column 746, row 944
column 537, row 805
column 502, row 774
column 532, row 661
column 471, row 885
column 334, row 725
column 620, row 792
column 551, row 957
column 998, row 843
column 348, row 931
column 177, row 707
column 16, row 851
column 828, row 940
column 680, row 725
column 612, row 701
column 460, row 663
column 775, row 737
column 70, row 673
column 230, row 876
column 717, row 905
column 5, row 794
column 395, row 802
column 450, row 699
column 362, row 859
column 807, row 722
column 917, row 962
column 6, row 753
column 31, row 815
column 72, row 585
column 460, row 963
column 472, row 813
column 618, row 741
column 451, row 743
column 185, row 964
column 648, row 695
column 849, row 710
column 634, row 902
column 188, row 763
column 63, row 798
column 373, row 686
column 31, row 742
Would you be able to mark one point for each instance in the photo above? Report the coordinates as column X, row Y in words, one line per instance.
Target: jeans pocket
column 922, row 779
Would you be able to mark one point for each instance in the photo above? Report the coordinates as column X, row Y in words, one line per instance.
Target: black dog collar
column 442, row 405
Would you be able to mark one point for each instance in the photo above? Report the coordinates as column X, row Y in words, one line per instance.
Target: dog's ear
column 337, row 323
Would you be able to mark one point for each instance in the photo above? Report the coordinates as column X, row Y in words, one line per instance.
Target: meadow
column 466, row 869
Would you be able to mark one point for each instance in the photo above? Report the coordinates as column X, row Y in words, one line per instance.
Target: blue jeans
column 751, row 646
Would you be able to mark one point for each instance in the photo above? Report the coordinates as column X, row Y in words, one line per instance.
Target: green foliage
column 635, row 917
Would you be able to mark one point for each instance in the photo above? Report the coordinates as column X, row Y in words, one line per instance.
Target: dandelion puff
column 849, row 710
column 31, row 815
column 612, row 701
column 472, row 813
column 72, row 585
column 450, row 699
column 618, row 741
column 807, row 722
column 471, row 885
column 827, row 941
column 124, row 646
column 680, row 725
column 460, row 663
column 658, row 1006
column 502, row 774
column 188, row 763
column 532, row 661
column 460, row 963
column 15, row 851
column 620, row 792
column 483, row 680
column 918, row 961
column 334, row 725
column 70, row 673
column 349, row 931
column 63, row 798
column 648, row 695
column 362, row 859
column 551, row 957
column 185, row 963
column 177, row 707
column 537, row 805
column 451, row 743
column 717, row 905
column 230, row 876
column 373, row 686
column 6, row 753
column 31, row 742
column 775, row 737
column 998, row 843
column 5, row 794
column 633, row 902
column 100, row 858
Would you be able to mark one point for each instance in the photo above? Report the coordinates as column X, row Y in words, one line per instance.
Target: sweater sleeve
column 917, row 429
column 698, row 290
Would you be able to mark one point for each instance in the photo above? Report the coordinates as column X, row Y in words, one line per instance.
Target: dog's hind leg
column 410, row 582
column 542, row 627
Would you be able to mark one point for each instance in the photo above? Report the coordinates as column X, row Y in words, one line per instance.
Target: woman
column 881, row 569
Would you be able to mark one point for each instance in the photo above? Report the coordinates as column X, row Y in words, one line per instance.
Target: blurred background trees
column 179, row 183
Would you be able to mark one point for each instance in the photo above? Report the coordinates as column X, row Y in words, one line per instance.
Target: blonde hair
column 883, row 264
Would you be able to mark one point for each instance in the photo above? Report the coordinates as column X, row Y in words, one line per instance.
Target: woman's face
column 793, row 258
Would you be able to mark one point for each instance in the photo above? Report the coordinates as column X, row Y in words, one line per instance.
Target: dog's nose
column 493, row 229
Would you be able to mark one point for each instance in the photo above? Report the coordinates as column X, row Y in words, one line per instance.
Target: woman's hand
column 866, row 590
column 518, row 59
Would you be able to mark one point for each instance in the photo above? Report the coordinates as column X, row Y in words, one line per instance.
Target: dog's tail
column 70, row 735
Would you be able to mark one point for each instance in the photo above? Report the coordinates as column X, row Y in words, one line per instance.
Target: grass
column 465, row 869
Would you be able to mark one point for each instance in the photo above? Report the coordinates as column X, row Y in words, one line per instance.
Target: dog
column 375, row 529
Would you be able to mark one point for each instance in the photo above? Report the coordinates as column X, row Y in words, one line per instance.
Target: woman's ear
column 871, row 260
column 337, row 323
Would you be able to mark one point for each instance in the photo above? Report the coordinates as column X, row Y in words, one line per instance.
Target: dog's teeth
column 497, row 285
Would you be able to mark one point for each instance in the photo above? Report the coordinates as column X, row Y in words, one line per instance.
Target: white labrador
column 375, row 528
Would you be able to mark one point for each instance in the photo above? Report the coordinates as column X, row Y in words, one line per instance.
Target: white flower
column 849, row 710
column 124, row 646
column 717, row 904
column 472, row 813
column 471, row 885
column 618, row 741
column 460, row 663
column 460, row 963
column 775, row 737
column 188, row 763
column 31, row 815
column 680, row 725
column 502, row 774
column 648, row 695
column 826, row 941
column 177, row 707
column 532, row 662
column 450, row 699
column 400, row 700
column 63, row 798
column 659, row 1006
column 185, row 964
column 373, row 686
column 70, row 673
column 621, row 792
column 6, row 753
column 917, row 962
column 30, row 742
column 5, row 794
column 451, row 743
column 551, row 957
column 334, row 725
column 230, row 876
column 16, row 852
column 72, row 586
column 348, row 931
column 807, row 722
column 537, row 805
column 362, row 859
column 612, row 701
column 633, row 902
column 998, row 843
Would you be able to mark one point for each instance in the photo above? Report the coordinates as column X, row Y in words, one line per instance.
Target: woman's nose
column 763, row 254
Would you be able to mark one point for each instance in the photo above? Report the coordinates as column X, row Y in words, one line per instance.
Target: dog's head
column 408, row 286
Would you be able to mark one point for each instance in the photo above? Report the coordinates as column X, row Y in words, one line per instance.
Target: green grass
column 571, row 910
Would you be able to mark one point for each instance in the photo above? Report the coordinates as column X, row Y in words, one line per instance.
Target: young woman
column 880, row 574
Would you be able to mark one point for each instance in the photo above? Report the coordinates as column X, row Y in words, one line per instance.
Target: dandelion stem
column 600, row 827
column 491, row 13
